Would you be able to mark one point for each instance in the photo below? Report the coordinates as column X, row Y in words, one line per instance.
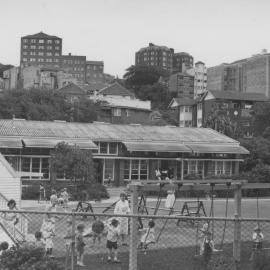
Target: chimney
column 69, row 54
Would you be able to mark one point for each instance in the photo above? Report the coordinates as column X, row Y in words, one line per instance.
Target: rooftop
column 232, row 95
column 110, row 132
column 41, row 35
column 115, row 89
column 72, row 89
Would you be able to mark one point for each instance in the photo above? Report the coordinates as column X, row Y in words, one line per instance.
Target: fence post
column 237, row 225
column 133, row 228
column 73, row 240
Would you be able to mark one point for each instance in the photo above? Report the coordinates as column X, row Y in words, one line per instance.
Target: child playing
column 39, row 243
column 170, row 200
column 208, row 247
column 65, row 197
column 257, row 238
column 112, row 237
column 80, row 245
column 48, row 233
column 149, row 235
column 3, row 246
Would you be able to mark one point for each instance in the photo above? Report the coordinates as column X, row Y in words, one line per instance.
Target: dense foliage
column 45, row 105
column 73, row 163
column 28, row 257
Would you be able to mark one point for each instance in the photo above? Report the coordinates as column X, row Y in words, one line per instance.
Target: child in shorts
column 257, row 238
column 112, row 238
column 80, row 245
column 39, row 243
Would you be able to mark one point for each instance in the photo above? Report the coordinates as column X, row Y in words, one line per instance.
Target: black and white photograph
column 134, row 135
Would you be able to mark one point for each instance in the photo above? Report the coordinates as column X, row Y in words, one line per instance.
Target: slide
column 4, row 236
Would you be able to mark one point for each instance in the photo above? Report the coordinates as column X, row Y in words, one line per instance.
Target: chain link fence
column 152, row 243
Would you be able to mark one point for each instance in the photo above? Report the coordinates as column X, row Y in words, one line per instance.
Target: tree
column 143, row 75
column 46, row 105
column 73, row 163
column 261, row 117
column 220, row 120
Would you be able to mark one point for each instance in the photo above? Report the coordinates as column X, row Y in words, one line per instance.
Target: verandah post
column 133, row 227
column 237, row 225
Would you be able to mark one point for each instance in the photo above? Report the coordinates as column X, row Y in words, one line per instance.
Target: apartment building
column 182, row 61
column 40, row 50
column 75, row 65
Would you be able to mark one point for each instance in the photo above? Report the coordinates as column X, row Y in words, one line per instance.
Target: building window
column 41, row 53
column 56, row 60
column 136, row 170
column 41, row 41
column 57, row 41
column 40, row 47
column 32, row 53
column 127, row 112
column 49, row 47
column 40, row 60
column 49, row 41
column 32, row 59
column 24, row 53
column 33, row 41
column 24, row 59
column 25, row 46
column 199, row 106
column 49, row 54
column 56, row 54
column 108, row 169
column 116, row 112
column 33, row 47
column 182, row 123
column 188, row 123
column 107, row 148
column 49, row 60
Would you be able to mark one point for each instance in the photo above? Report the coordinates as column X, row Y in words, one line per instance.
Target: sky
column 212, row 31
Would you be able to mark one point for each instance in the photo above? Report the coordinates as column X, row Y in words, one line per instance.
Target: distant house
column 121, row 106
column 73, row 92
column 237, row 106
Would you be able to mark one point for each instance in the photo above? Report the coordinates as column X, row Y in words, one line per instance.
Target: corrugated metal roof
column 51, row 143
column 110, row 132
column 156, row 147
column 224, row 149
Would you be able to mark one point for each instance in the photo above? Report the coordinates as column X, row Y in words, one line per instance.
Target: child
column 149, row 235
column 97, row 230
column 54, row 198
column 202, row 234
column 122, row 208
column 3, row 246
column 48, row 233
column 65, row 197
column 257, row 238
column 80, row 244
column 112, row 237
column 39, row 243
column 208, row 247
column 169, row 203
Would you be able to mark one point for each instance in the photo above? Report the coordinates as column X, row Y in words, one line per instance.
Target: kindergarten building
column 123, row 153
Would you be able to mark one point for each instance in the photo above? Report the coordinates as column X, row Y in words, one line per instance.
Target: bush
column 28, row 257
column 30, row 192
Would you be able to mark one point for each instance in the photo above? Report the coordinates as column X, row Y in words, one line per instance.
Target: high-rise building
column 199, row 71
column 40, row 50
column 155, row 56
column 94, row 71
column 182, row 61
column 182, row 84
column 250, row 75
column 75, row 65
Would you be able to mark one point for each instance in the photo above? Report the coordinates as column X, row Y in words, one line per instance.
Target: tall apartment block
column 75, row 65
column 40, row 50
column 199, row 71
column 94, row 71
column 156, row 56
column 182, row 61
column 250, row 75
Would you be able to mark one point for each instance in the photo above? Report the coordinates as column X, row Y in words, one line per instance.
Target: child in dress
column 208, row 247
column 65, row 197
column 80, row 245
column 112, row 238
column 39, row 241
column 122, row 208
column 148, row 236
column 48, row 233
column 257, row 238
column 169, row 203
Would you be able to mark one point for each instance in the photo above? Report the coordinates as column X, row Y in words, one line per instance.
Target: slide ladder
column 16, row 233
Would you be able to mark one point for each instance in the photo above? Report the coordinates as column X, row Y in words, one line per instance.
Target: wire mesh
column 159, row 242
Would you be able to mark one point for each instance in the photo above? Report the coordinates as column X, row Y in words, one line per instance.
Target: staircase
column 18, row 232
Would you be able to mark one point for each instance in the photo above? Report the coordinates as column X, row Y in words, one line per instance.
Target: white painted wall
column 10, row 183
